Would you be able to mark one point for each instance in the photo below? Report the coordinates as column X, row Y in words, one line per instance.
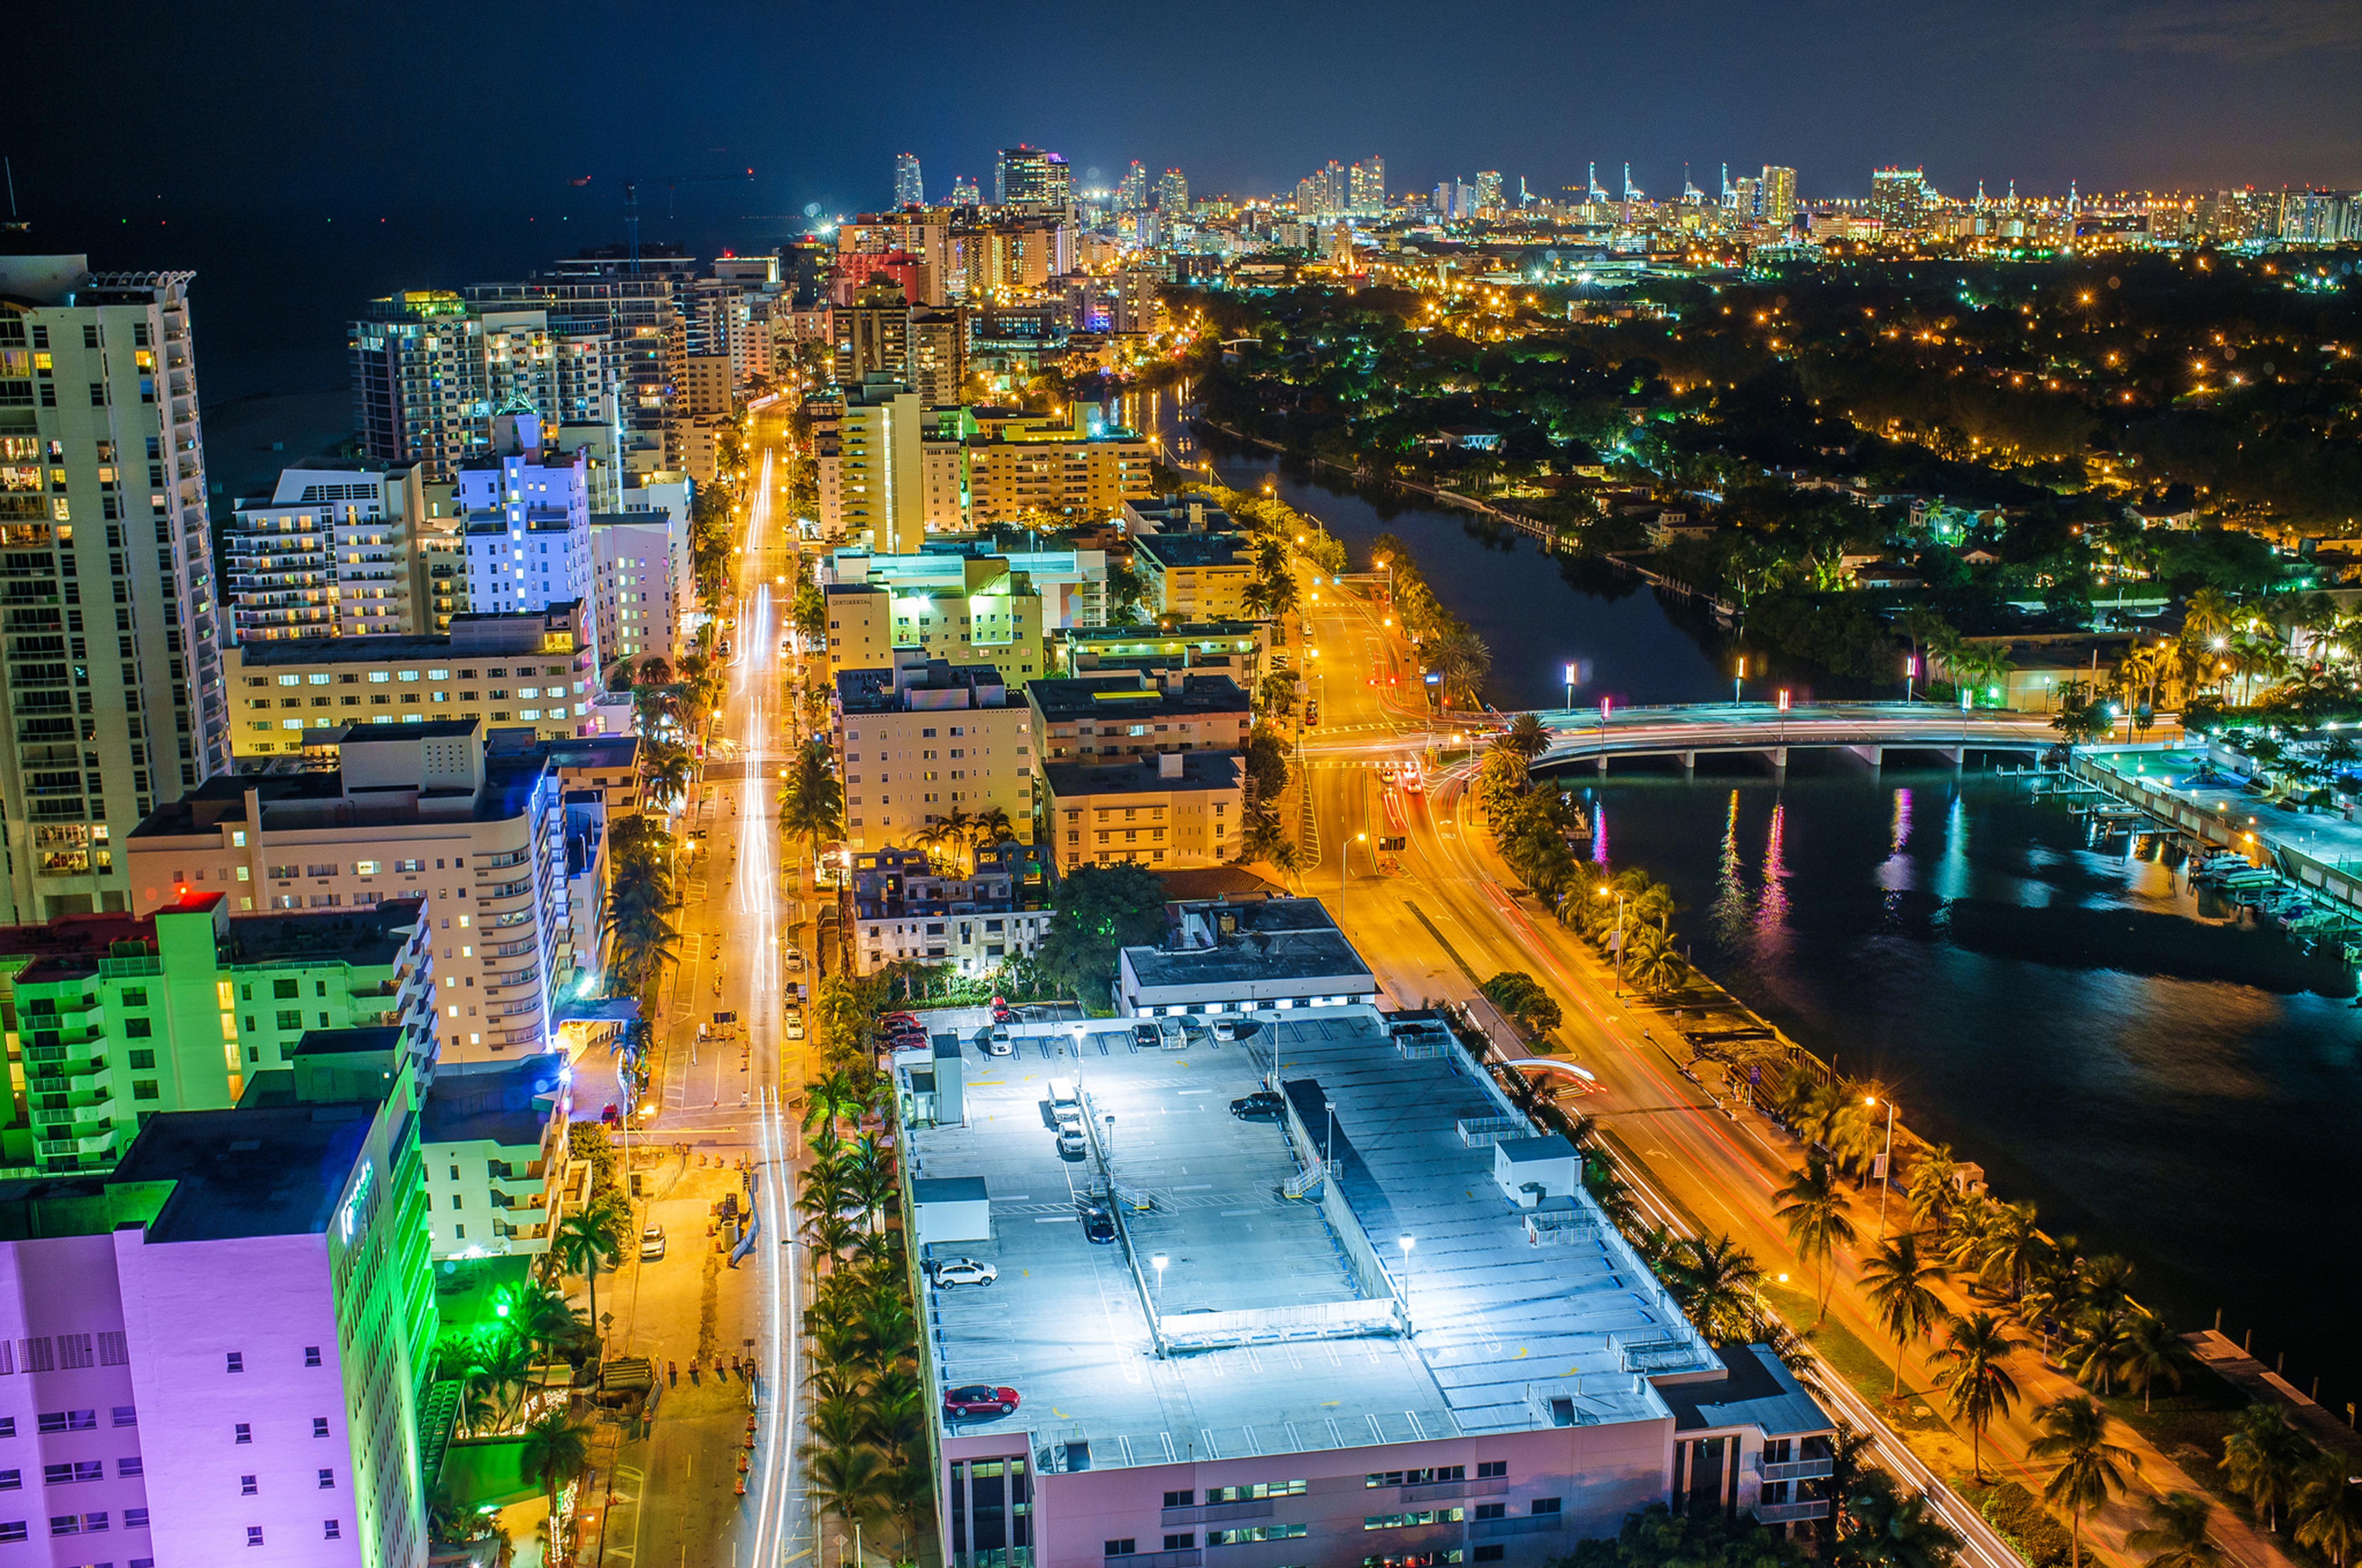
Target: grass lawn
column 1870, row 1369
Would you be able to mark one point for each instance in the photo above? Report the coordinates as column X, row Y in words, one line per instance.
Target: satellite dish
column 812, row 209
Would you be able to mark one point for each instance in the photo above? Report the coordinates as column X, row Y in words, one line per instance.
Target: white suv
column 949, row 1272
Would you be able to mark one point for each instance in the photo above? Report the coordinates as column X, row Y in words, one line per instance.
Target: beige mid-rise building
column 1018, row 463
column 887, row 470
column 413, row 812
column 1195, row 576
column 529, row 668
column 922, row 740
column 1166, row 811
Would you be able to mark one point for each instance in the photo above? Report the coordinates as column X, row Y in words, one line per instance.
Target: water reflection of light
column 1729, row 910
column 1899, row 835
column 1598, row 829
column 1952, row 879
column 1771, row 910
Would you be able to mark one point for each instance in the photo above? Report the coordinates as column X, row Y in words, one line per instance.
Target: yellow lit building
column 1195, row 576
column 526, row 670
column 993, row 617
column 1021, row 462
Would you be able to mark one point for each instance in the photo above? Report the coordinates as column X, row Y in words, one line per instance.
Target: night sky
column 276, row 138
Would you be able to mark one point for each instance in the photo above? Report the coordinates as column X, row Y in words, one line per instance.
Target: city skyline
column 2100, row 98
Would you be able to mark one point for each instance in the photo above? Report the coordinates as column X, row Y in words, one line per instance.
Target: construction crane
column 672, row 183
column 1632, row 193
column 1591, row 178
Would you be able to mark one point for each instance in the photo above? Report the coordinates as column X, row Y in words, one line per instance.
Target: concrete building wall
column 903, row 770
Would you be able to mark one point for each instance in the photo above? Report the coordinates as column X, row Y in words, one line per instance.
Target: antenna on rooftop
column 13, row 221
column 632, row 222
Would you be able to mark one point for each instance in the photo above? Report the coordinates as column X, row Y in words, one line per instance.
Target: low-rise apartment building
column 1098, row 718
column 529, row 667
column 1195, row 576
column 987, row 615
column 1171, row 810
column 493, row 1141
column 1072, row 583
column 1239, row 649
column 413, row 812
column 923, row 740
column 117, row 1018
column 904, row 908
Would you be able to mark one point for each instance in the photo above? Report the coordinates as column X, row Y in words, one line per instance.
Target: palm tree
column 837, row 1097
column 1654, row 967
column 2014, row 1247
column 555, row 1450
column 1935, row 1178
column 2208, row 612
column 2263, row 1457
column 2178, row 1539
column 812, row 805
column 1977, row 1387
column 1462, row 661
column 1813, row 1208
column 2329, row 1504
column 588, row 1240
column 1716, row 1280
column 1892, row 1529
column 2098, row 1342
column 504, row 1375
column 1896, row 1279
column 669, row 772
column 2091, row 1468
column 989, row 829
column 1526, row 737
column 1287, row 857
column 850, row 1482
column 2153, row 1354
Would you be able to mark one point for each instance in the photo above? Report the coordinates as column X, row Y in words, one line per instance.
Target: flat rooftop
column 1131, row 696
column 1499, row 1328
column 255, row 1171
column 1199, row 770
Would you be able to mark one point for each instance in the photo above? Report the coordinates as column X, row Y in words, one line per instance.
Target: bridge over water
column 1869, row 730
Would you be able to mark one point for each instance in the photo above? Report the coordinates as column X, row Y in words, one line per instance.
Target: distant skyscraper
column 1775, row 197
column 1747, row 197
column 1025, row 173
column 1898, row 199
column 909, row 191
column 111, row 578
column 1489, row 190
column 1366, row 188
column 965, row 193
column 1132, row 191
column 1173, row 193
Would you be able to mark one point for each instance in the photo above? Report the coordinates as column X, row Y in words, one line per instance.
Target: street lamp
column 1618, row 894
column 1886, row 1162
column 1569, row 688
column 1737, row 676
column 1158, row 1263
column 1406, row 1242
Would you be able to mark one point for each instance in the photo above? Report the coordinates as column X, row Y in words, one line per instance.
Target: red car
column 979, row 1400
column 892, row 1020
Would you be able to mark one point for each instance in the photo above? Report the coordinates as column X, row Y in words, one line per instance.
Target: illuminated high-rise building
column 1173, row 193
column 909, row 191
column 1775, row 195
column 965, row 193
column 1746, row 197
column 1023, row 173
column 1488, row 191
column 1898, row 199
column 1132, row 191
column 1366, row 187
column 114, row 673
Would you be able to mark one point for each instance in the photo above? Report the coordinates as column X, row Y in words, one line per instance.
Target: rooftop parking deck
column 1280, row 1310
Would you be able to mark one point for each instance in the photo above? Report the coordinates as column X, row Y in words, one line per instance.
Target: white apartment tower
column 909, row 189
column 112, row 675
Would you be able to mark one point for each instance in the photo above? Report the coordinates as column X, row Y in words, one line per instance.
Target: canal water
column 2164, row 1079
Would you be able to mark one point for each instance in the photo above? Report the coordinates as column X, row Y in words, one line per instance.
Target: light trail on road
column 756, row 901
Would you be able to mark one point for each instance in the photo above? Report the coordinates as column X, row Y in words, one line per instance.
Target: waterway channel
column 2165, row 1079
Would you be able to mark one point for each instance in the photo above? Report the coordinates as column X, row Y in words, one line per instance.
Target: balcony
column 1792, row 1513
column 1531, row 1524
column 1796, row 1469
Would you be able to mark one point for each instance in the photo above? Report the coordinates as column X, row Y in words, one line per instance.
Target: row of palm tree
column 865, row 1451
column 2293, row 1486
column 495, row 1364
column 811, row 802
column 958, row 837
column 593, row 1238
column 643, row 892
